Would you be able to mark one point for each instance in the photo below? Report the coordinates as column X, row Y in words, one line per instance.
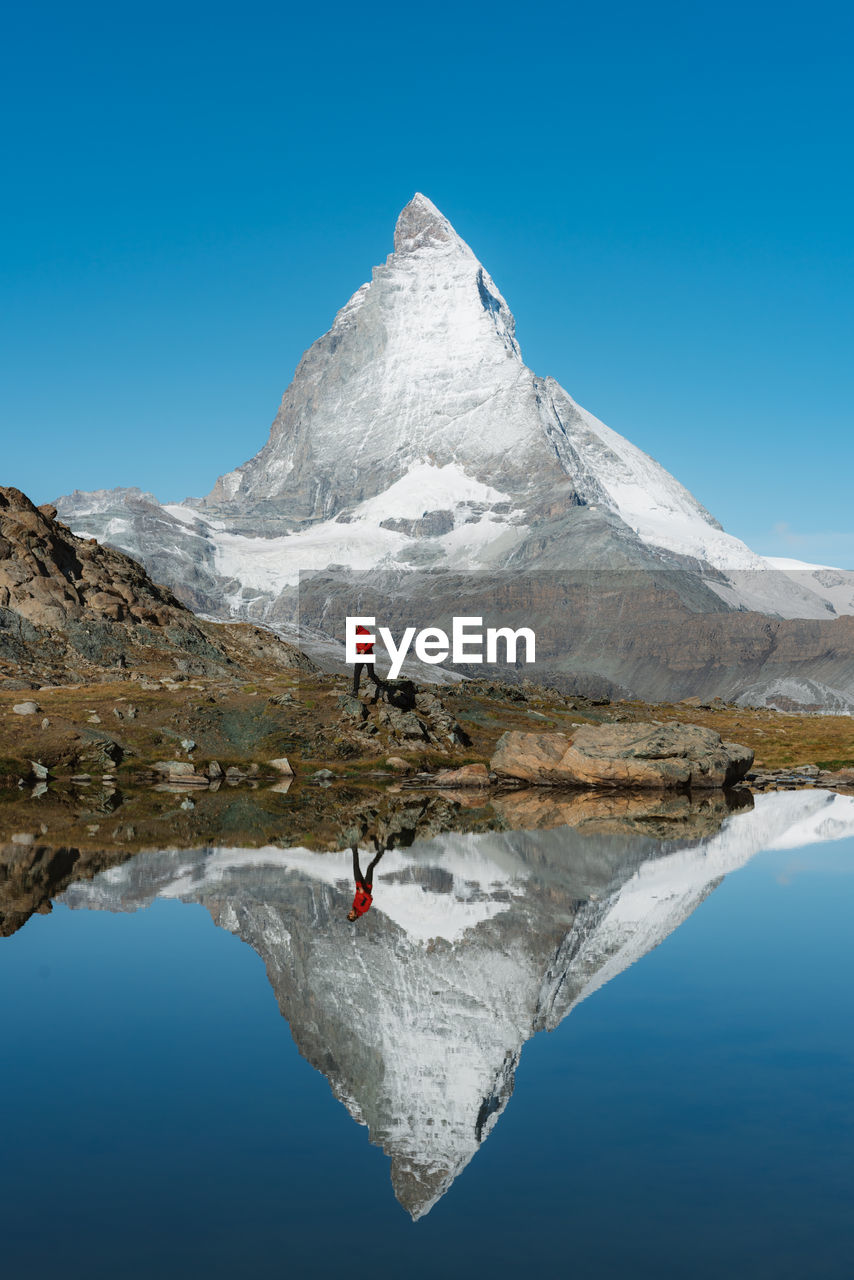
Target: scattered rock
column 23, row 837
column 45, row 723
column 282, row 765
column 623, row 755
column 352, row 707
column 94, row 718
column 468, row 775
column 323, row 776
column 39, row 771
column 188, row 803
column 214, row 770
column 174, row 768
column 101, row 752
column 403, row 724
column 26, row 708
column 188, row 744
column 398, row 764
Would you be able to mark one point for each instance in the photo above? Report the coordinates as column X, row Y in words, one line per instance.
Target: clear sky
column 662, row 191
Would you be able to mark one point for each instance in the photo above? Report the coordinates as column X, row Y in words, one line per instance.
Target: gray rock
column 402, row 724
column 174, row 768
column 39, row 771
column 26, row 708
column 352, row 707
column 101, row 752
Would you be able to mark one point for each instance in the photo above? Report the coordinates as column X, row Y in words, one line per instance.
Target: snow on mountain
column 834, row 586
column 474, row 943
column 414, row 436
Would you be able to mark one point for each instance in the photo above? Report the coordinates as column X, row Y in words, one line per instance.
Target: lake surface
column 587, row 1051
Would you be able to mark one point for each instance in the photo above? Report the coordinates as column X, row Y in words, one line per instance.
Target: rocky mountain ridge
column 72, row 608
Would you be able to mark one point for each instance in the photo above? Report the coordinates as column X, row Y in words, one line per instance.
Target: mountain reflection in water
column 418, row 1012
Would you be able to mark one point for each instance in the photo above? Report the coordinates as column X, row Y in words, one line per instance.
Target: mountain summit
column 421, row 223
column 414, row 436
column 421, row 369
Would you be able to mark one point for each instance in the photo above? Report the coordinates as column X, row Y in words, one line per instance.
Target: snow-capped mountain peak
column 414, row 437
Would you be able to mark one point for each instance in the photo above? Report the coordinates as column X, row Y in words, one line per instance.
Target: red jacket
column 363, row 899
column 363, row 648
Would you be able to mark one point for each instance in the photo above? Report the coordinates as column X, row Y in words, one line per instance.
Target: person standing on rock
column 365, row 647
column 364, row 883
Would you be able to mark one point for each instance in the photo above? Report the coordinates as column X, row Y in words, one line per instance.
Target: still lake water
column 592, row 1053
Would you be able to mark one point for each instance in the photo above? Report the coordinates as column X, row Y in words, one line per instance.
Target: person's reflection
column 365, row 883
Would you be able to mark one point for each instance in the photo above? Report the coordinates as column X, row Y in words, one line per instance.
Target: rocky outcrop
column 671, row 757
column 71, row 608
column 52, row 578
column 402, row 715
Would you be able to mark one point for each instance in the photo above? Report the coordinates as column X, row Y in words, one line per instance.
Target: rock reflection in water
column 476, row 941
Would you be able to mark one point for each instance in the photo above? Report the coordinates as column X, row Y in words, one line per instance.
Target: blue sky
column 663, row 193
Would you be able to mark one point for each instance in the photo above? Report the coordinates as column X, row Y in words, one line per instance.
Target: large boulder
column 671, row 756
